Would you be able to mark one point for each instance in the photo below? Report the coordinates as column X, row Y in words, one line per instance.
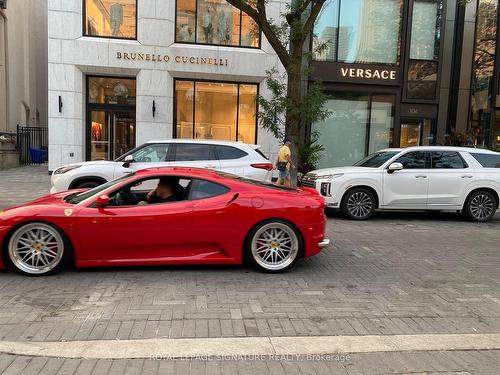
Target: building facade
column 123, row 72
column 386, row 65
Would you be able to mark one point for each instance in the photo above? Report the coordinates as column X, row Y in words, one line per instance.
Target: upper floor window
column 214, row 22
column 359, row 31
column 111, row 18
column 424, row 49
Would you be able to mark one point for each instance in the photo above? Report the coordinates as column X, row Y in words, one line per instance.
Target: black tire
column 480, row 206
column 52, row 248
column 358, row 204
column 87, row 184
column 273, row 254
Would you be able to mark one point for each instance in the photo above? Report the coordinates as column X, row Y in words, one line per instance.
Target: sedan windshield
column 376, row 160
column 80, row 197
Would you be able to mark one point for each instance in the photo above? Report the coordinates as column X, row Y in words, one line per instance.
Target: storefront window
column 110, row 18
column 216, row 110
column 359, row 124
column 424, row 49
column 214, row 22
column 482, row 75
column 107, row 90
column 359, row 31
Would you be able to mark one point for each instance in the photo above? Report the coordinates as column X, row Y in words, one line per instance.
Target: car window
column 261, row 153
column 193, row 152
column 447, row 160
column 376, row 160
column 229, row 152
column 259, row 183
column 414, row 160
column 151, row 153
column 80, row 197
column 487, row 160
column 201, row 189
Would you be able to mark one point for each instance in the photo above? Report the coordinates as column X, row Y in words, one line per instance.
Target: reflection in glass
column 111, row 18
column 184, row 98
column 483, row 69
column 410, row 135
column 426, row 29
column 186, row 21
column 326, row 32
column 422, row 79
column 210, row 110
column 215, row 110
column 381, row 122
column 99, row 133
column 369, row 31
column 214, row 22
column 107, row 90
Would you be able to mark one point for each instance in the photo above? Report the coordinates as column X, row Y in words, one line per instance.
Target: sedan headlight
column 330, row 176
column 66, row 169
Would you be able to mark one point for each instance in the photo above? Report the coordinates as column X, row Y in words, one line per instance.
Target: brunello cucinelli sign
column 179, row 59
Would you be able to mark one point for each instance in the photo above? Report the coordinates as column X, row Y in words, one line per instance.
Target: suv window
column 447, row 160
column 228, row 152
column 193, row 152
column 376, row 160
column 149, row 153
column 201, row 189
column 414, row 160
column 487, row 160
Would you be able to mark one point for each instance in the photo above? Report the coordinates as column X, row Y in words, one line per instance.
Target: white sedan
column 232, row 157
column 415, row 178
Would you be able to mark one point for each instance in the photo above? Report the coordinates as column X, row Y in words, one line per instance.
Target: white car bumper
column 58, row 182
column 327, row 189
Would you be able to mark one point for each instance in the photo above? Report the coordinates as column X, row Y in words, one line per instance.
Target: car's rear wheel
column 274, row 246
column 480, row 206
column 37, row 249
column 358, row 204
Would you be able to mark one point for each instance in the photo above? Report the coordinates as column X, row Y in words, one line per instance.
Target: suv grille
column 309, row 180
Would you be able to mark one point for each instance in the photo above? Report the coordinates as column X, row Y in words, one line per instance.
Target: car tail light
column 266, row 166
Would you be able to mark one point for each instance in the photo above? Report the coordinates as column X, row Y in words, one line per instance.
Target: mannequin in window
column 116, row 14
column 223, row 28
column 207, row 26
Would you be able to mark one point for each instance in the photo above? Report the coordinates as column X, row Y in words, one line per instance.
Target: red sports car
column 165, row 216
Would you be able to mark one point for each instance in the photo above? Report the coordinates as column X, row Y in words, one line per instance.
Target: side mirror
column 395, row 167
column 128, row 160
column 102, row 201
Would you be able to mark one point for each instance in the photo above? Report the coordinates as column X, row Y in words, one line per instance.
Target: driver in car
column 167, row 190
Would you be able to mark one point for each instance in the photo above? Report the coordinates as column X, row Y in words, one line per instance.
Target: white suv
column 415, row 178
column 232, row 157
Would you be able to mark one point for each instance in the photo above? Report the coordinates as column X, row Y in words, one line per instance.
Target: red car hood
column 49, row 199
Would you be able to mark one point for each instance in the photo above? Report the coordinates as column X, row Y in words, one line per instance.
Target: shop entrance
column 417, row 132
column 112, row 133
column 110, row 117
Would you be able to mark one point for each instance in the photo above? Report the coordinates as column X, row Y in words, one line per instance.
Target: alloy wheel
column 275, row 246
column 359, row 204
column 481, row 207
column 36, row 248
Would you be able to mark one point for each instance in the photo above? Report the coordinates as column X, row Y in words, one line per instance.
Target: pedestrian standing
column 284, row 163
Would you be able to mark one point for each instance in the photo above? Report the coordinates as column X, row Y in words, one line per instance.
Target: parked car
column 415, row 178
column 232, row 157
column 218, row 218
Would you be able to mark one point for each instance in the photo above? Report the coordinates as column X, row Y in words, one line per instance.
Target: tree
column 299, row 101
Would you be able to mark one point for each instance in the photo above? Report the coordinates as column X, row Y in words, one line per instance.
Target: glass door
column 417, row 132
column 111, row 134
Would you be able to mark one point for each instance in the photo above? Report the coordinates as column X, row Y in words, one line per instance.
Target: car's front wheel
column 37, row 249
column 480, row 206
column 273, row 246
column 359, row 204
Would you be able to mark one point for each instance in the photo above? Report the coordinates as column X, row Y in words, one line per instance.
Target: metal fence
column 33, row 144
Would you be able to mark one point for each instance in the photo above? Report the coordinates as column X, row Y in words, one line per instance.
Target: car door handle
column 210, row 166
column 420, row 176
column 466, row 176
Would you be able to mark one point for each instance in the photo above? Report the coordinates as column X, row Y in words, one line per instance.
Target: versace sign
column 368, row 73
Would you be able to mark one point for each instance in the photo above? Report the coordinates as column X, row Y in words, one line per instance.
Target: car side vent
column 233, row 199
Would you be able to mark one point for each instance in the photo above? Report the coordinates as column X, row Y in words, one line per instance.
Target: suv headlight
column 66, row 169
column 330, row 176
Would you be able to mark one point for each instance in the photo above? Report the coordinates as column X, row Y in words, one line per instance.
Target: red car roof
column 172, row 170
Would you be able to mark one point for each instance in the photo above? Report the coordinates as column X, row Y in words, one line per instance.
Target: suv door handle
column 210, row 166
column 466, row 176
column 420, row 176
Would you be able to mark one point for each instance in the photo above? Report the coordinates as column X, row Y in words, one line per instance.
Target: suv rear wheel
column 480, row 206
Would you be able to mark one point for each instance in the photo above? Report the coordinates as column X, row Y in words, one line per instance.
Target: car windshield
column 376, row 160
column 80, row 197
column 255, row 182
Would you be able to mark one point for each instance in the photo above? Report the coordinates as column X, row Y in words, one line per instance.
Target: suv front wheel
column 358, row 204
